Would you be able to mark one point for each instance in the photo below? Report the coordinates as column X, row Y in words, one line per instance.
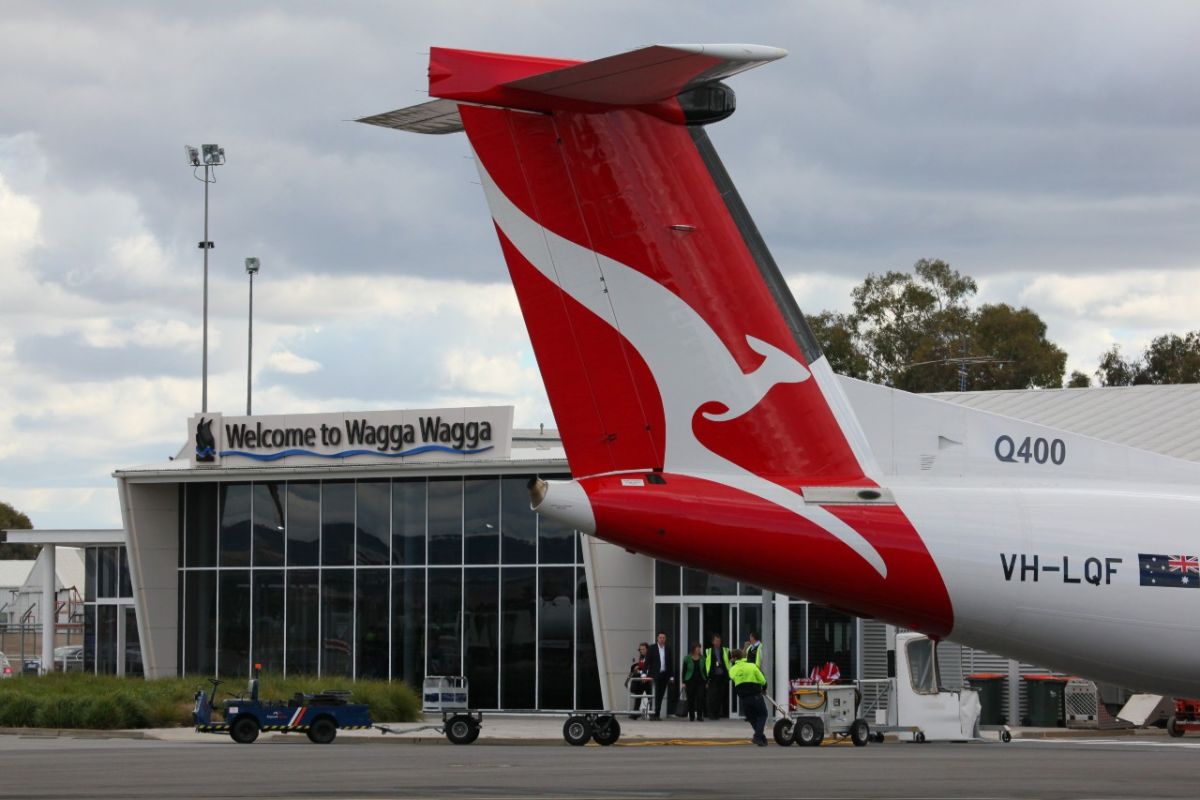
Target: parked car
column 6, row 670
column 68, row 658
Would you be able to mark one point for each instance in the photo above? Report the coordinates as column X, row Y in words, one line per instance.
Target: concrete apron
column 540, row 729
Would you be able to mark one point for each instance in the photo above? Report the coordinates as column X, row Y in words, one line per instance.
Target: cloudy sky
column 1048, row 149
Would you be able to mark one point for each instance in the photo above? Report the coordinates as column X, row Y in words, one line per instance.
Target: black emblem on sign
column 206, row 445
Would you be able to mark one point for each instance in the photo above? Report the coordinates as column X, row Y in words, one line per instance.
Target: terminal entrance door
column 704, row 620
column 733, row 623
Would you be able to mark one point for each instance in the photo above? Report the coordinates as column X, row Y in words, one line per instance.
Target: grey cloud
column 67, row 357
column 898, row 103
column 1022, row 136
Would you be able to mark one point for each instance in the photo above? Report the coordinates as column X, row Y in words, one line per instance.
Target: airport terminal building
column 399, row 544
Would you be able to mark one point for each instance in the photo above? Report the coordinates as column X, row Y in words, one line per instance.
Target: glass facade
column 693, row 606
column 110, row 637
column 387, row 578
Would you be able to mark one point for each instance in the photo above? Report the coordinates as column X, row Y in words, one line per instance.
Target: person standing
column 753, row 650
column 660, row 666
column 749, row 684
column 693, row 677
column 716, row 667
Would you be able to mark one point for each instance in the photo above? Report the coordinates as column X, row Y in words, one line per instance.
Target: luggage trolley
column 448, row 695
column 641, row 697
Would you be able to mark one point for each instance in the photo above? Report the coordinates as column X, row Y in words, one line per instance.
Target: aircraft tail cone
column 562, row 501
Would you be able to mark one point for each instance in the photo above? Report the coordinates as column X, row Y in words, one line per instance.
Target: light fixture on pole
column 207, row 156
column 251, row 270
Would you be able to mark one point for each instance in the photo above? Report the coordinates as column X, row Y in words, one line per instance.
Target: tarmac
column 540, row 729
column 525, row 756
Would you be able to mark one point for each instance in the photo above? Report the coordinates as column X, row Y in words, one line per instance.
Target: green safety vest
column 754, row 654
column 708, row 659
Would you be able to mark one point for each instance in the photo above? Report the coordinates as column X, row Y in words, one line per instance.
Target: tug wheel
column 783, row 732
column 860, row 732
column 810, row 731
column 606, row 730
column 461, row 729
column 1173, row 729
column 244, row 730
column 577, row 730
column 322, row 731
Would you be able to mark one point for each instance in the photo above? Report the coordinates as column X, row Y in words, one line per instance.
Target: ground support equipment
column 1185, row 718
column 823, row 711
column 450, row 696
column 459, row 727
column 879, row 701
column 319, row 716
column 601, row 727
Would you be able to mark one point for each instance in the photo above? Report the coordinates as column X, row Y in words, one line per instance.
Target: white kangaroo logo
column 689, row 362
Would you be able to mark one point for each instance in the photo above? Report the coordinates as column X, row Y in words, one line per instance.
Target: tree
column 1169, row 358
column 1114, row 370
column 908, row 319
column 1078, row 380
column 11, row 519
column 1173, row 359
column 915, row 331
column 1016, row 339
column 837, row 335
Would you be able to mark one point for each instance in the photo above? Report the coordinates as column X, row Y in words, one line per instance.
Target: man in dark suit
column 660, row 666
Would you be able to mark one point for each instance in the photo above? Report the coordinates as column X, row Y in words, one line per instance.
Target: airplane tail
column 665, row 333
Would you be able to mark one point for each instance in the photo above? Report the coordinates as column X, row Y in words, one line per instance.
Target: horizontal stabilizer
column 645, row 78
column 436, row 116
column 649, row 74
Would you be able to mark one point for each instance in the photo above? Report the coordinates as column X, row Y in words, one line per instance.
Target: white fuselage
column 1052, row 576
column 1039, row 546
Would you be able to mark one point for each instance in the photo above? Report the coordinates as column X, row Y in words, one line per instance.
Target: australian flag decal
column 1165, row 570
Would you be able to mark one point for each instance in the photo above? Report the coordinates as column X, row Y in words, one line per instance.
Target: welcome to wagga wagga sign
column 443, row 434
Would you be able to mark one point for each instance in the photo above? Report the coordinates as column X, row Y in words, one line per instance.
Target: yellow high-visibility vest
column 708, row 659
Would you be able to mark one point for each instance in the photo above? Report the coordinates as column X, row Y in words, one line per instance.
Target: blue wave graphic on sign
column 416, row 451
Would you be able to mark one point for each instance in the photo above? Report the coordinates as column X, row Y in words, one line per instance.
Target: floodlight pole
column 250, row 343
column 213, row 156
column 207, row 245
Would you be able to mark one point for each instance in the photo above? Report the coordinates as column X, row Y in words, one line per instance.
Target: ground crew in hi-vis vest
column 753, row 650
column 716, row 667
column 749, row 684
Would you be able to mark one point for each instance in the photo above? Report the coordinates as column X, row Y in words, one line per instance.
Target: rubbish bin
column 1045, row 696
column 990, row 686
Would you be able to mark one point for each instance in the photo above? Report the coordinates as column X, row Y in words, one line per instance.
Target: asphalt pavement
column 39, row 766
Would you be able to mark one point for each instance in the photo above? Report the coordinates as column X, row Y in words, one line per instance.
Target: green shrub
column 60, row 712
column 99, row 713
column 131, row 711
column 76, row 700
column 17, row 710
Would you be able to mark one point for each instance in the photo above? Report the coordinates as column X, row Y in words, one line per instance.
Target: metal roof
column 1161, row 419
column 70, row 537
column 14, row 572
